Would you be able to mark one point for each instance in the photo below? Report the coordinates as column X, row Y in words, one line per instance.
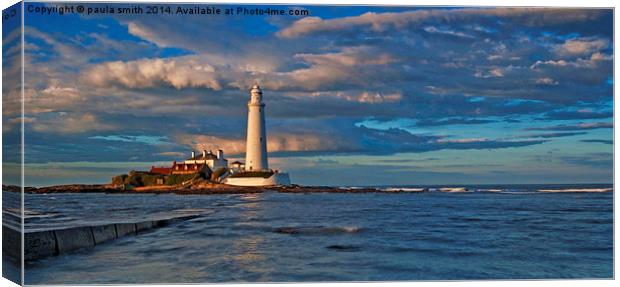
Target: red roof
column 161, row 170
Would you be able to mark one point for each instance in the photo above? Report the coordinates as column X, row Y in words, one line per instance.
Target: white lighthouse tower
column 256, row 150
column 256, row 145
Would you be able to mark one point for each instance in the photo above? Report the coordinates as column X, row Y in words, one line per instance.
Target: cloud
column 360, row 97
column 452, row 121
column 150, row 140
column 379, row 22
column 483, row 143
column 546, row 81
column 494, row 72
column 173, row 154
column 435, row 30
column 581, row 46
column 587, row 63
column 147, row 33
column 52, row 98
column 71, row 123
column 598, row 141
column 581, row 126
column 351, row 66
column 600, row 160
column 360, row 140
column 358, row 66
column 553, row 135
column 577, row 114
column 276, row 142
column 463, row 140
column 407, row 160
column 184, row 72
column 101, row 88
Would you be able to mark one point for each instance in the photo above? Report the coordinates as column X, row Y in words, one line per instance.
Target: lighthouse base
column 277, row 179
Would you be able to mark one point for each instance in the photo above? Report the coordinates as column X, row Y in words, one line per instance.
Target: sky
column 354, row 95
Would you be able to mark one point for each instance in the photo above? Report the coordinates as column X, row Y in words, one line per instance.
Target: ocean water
column 481, row 232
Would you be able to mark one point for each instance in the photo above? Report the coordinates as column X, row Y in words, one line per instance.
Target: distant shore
column 202, row 189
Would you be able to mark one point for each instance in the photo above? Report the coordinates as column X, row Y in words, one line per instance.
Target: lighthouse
column 256, row 150
column 256, row 142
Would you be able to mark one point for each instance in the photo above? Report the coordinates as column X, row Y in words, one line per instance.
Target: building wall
column 276, row 179
column 218, row 164
column 213, row 164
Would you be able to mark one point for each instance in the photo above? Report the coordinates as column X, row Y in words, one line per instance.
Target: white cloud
column 581, row 47
column 146, row 33
column 546, row 81
column 590, row 63
column 350, row 66
column 183, row 72
column 494, row 72
column 360, row 97
column 435, row 30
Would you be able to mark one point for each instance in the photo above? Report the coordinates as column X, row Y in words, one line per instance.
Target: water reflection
column 248, row 249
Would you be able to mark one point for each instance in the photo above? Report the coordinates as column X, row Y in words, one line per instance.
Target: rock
column 287, row 230
column 344, row 248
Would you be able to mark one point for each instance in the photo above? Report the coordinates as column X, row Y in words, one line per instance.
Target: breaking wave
column 405, row 189
column 578, row 190
column 490, row 190
column 453, row 189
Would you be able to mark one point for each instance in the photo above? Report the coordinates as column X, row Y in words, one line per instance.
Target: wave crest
column 578, row 190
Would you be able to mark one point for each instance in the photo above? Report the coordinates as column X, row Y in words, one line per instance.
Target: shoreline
column 201, row 189
column 218, row 188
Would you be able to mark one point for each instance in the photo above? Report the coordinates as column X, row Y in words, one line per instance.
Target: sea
column 439, row 233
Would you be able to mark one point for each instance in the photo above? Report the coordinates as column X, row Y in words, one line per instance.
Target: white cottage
column 214, row 161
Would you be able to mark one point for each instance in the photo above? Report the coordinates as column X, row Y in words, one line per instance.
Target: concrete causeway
column 41, row 244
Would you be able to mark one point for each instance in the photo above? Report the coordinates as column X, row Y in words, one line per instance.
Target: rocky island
column 199, row 188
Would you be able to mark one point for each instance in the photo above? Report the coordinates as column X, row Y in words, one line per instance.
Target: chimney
column 193, row 154
column 220, row 154
column 204, row 153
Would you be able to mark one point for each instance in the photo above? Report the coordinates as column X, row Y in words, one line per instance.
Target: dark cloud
column 397, row 140
column 407, row 160
column 577, row 127
column 452, row 121
column 594, row 160
column 598, row 141
column 576, row 115
column 553, row 135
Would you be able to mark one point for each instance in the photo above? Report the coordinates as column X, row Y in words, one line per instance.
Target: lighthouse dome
column 256, row 89
column 256, row 95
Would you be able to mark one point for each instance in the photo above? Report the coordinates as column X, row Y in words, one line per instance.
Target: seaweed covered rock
column 218, row 173
column 142, row 178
